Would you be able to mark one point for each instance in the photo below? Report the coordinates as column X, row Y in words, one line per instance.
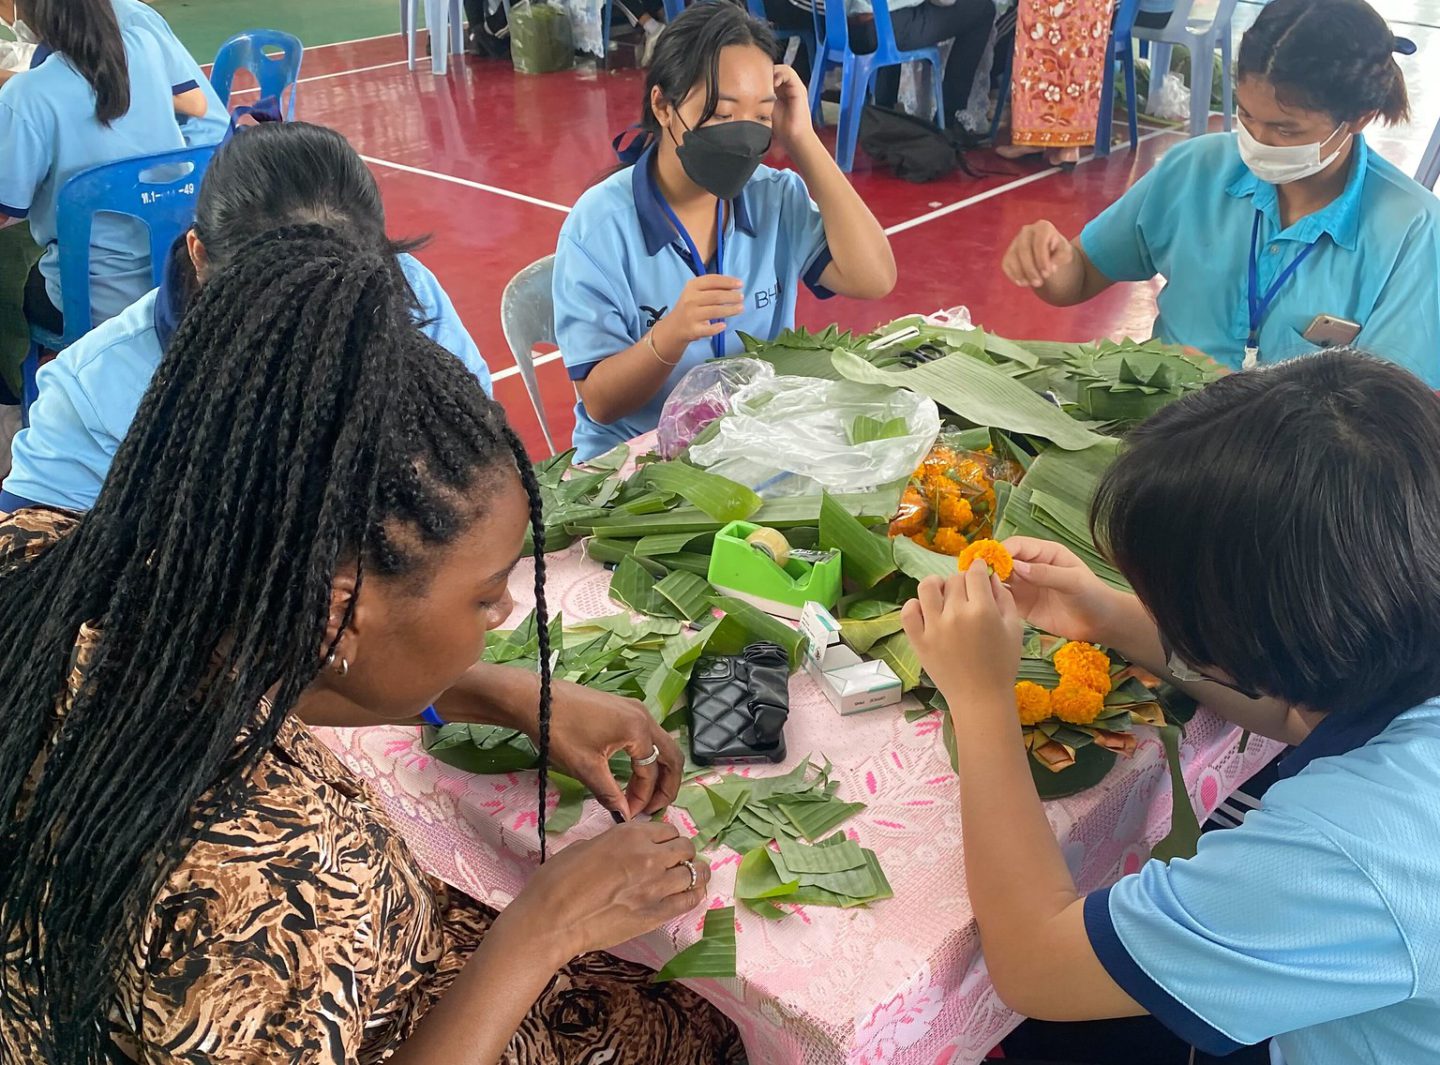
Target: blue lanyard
column 1260, row 305
column 697, row 264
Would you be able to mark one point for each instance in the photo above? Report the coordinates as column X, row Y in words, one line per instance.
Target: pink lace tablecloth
column 899, row 982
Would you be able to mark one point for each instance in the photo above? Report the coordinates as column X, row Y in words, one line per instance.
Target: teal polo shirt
column 49, row 133
column 1314, row 922
column 90, row 392
column 1190, row 219
column 620, row 266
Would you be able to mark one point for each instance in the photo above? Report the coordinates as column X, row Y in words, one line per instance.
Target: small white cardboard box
column 850, row 683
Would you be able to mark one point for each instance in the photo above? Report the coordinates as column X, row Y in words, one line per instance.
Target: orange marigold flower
column 1033, row 702
column 1078, row 655
column 1075, row 704
column 993, row 554
column 948, row 541
column 913, row 516
column 955, row 510
column 1097, row 680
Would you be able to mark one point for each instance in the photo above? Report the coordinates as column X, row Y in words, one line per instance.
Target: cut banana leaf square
column 711, row 957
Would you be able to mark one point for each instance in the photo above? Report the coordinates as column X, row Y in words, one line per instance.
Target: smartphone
column 1330, row 332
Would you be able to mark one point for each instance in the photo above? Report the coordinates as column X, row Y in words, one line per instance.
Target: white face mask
column 21, row 31
column 1282, row 164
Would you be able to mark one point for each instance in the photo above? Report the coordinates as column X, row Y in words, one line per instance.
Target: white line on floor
column 337, row 74
column 372, row 160
column 514, row 371
column 989, row 194
column 357, row 40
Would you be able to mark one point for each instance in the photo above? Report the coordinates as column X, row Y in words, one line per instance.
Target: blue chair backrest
column 275, row 74
column 1125, row 16
column 837, row 29
column 160, row 190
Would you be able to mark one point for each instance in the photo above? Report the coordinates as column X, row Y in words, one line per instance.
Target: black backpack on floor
column 915, row 148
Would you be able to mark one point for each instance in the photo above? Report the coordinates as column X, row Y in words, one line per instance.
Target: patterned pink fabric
column 900, row 982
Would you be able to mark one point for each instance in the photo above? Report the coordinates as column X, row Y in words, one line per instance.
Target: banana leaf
column 1090, row 766
column 870, row 508
column 1183, row 839
column 865, row 558
column 718, row 497
column 744, row 624
column 978, row 393
column 813, row 819
column 867, row 430
column 918, row 562
column 898, row 653
column 663, row 543
column 835, row 858
column 711, row 957
column 566, row 814
column 633, row 586
column 862, row 634
column 687, row 593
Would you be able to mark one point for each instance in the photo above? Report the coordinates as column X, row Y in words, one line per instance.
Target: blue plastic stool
column 1122, row 51
column 857, row 73
column 160, row 190
column 275, row 74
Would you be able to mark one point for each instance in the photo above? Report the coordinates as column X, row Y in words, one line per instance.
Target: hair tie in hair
column 266, row 110
column 639, row 144
column 1403, row 45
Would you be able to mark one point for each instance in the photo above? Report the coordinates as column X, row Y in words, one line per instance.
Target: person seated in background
column 1290, row 235
column 184, row 73
column 101, row 88
column 664, row 263
column 266, row 176
column 922, row 24
column 313, row 520
column 1280, row 529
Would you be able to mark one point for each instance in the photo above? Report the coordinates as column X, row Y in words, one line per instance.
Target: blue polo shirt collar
column 1337, row 734
column 42, row 52
column 169, row 301
column 654, row 226
column 1340, row 218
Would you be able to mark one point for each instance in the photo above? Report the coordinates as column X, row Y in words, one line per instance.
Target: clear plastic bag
column 1172, row 99
column 951, row 496
column 703, row 395
column 788, row 436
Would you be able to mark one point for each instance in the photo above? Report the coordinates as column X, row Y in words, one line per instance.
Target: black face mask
column 721, row 158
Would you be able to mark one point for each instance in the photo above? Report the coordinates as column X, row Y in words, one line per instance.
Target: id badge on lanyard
column 696, row 262
column 1260, row 303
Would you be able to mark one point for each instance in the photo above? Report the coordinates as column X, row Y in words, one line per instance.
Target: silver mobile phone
column 1331, row 332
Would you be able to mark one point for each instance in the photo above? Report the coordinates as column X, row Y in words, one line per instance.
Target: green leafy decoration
column 719, row 497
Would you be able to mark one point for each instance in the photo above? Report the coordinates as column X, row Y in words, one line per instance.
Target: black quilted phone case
column 739, row 705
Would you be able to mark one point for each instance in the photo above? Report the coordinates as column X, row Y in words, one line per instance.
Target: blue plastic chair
column 276, row 74
column 1122, row 51
column 160, row 190
column 1201, row 36
column 857, row 72
column 1429, row 168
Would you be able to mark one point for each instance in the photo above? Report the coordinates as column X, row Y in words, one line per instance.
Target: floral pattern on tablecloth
column 900, row 982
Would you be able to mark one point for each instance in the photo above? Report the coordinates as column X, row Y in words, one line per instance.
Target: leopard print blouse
column 300, row 929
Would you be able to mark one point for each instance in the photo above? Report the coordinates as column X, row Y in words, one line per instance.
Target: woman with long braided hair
column 312, row 520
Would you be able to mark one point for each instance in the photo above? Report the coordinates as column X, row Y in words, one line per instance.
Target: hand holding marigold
column 967, row 633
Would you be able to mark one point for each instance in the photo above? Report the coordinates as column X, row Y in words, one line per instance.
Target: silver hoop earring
column 341, row 667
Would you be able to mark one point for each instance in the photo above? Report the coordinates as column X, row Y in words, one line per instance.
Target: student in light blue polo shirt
column 272, row 175
column 1292, row 234
column 99, row 89
column 182, row 70
column 663, row 264
column 1281, row 529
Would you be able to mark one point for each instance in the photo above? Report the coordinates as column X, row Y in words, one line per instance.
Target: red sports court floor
column 487, row 162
